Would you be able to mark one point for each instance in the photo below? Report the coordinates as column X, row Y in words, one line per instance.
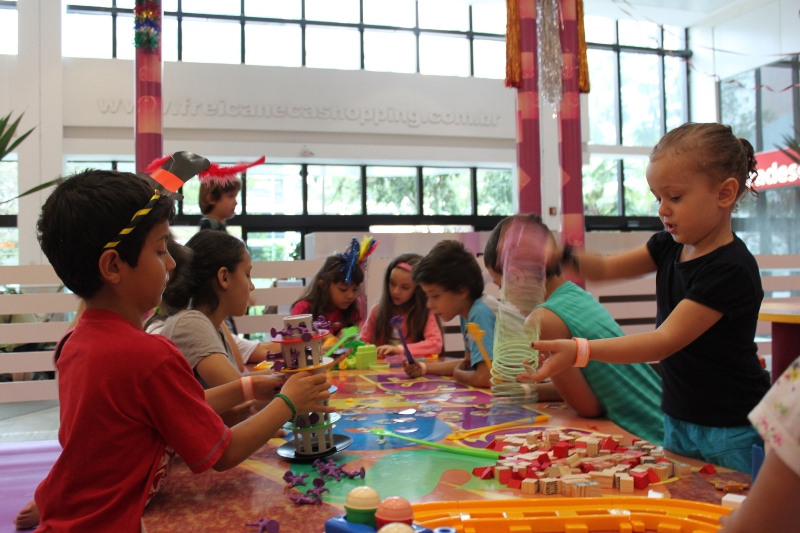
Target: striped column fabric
column 528, row 154
column 148, row 129
column 569, row 124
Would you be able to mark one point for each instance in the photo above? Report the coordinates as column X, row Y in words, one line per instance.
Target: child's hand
column 266, row 385
column 388, row 349
column 554, row 358
column 307, row 390
column 412, row 370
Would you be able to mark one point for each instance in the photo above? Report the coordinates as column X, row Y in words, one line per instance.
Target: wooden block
column 530, row 486
column 683, row 470
column 733, row 501
column 514, row 483
column 548, row 486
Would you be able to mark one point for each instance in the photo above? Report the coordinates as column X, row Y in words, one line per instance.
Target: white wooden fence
column 631, row 302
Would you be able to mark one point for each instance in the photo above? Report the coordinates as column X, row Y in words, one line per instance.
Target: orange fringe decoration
column 583, row 62
column 513, row 55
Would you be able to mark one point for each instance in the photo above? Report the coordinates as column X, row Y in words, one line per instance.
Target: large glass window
column 9, row 29
column 392, row 190
column 638, row 74
column 446, row 191
column 444, row 38
column 334, row 190
column 279, row 203
column 761, row 105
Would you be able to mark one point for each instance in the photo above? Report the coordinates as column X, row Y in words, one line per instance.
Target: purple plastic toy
column 266, row 526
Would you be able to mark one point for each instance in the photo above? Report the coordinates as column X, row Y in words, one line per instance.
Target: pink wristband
column 582, row 355
column 248, row 392
column 423, row 367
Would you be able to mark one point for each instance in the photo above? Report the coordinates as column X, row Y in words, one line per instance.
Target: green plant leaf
column 792, row 148
column 33, row 190
column 7, row 133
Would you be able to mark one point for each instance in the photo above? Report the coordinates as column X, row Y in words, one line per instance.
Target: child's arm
column 229, row 395
column 570, row 384
column 445, row 368
column 599, row 267
column 686, row 323
column 304, row 390
column 216, row 369
column 477, row 376
column 237, row 354
column 771, row 504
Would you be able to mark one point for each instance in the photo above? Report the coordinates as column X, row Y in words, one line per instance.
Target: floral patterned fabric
column 777, row 417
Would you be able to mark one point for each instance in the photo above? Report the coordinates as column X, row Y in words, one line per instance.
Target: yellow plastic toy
column 477, row 334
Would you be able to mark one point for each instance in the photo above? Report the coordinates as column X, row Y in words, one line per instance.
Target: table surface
column 227, row 501
column 786, row 313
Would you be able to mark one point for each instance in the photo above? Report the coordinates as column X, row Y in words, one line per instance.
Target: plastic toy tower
column 301, row 346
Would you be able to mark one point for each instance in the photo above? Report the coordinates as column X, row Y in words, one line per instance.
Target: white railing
column 630, row 302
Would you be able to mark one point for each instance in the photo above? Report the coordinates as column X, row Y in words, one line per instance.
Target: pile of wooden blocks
column 571, row 463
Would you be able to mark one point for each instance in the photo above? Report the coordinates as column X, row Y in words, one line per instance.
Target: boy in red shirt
column 128, row 399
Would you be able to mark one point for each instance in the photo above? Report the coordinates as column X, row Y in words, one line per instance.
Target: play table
column 785, row 319
column 428, row 408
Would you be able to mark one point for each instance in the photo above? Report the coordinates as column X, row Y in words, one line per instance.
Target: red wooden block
column 586, row 468
column 609, row 444
column 477, row 471
column 708, row 469
column 487, row 473
column 561, row 450
column 516, row 474
column 490, row 446
column 515, row 484
column 663, row 460
column 640, row 480
column 524, row 449
column 499, row 445
column 652, row 476
column 632, row 462
column 543, row 458
column 580, row 444
column 531, row 474
column 505, row 476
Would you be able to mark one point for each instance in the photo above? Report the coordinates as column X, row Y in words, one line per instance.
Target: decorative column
column 569, row 142
column 521, row 72
column 148, row 67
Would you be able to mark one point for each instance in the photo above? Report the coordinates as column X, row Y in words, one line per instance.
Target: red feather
column 156, row 164
column 217, row 174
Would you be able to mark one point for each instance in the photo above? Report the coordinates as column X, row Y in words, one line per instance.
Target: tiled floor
column 28, row 421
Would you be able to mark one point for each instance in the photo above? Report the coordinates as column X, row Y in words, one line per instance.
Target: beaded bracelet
column 247, row 388
column 289, row 403
column 582, row 355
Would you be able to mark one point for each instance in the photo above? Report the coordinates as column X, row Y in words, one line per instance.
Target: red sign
column 775, row 170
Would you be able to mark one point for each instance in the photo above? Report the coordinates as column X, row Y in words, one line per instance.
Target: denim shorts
column 729, row 447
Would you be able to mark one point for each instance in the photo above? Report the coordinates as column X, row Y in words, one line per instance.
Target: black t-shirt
column 717, row 379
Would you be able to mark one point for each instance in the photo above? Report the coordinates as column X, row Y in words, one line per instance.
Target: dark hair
column 216, row 190
column 211, row 251
column 719, row 153
column 88, row 210
column 416, row 308
column 451, row 266
column 491, row 255
column 318, row 292
column 182, row 257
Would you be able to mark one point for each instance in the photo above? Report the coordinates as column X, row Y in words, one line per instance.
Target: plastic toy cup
column 394, row 509
column 361, row 504
column 380, row 367
column 396, row 527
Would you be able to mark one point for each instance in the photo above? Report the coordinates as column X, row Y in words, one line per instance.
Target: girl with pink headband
column 402, row 297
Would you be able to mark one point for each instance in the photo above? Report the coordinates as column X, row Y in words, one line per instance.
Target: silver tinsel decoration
column 551, row 61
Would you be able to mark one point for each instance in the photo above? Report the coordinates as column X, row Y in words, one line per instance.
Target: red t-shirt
column 128, row 399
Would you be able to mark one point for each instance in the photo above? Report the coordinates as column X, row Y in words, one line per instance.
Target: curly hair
column 717, row 152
